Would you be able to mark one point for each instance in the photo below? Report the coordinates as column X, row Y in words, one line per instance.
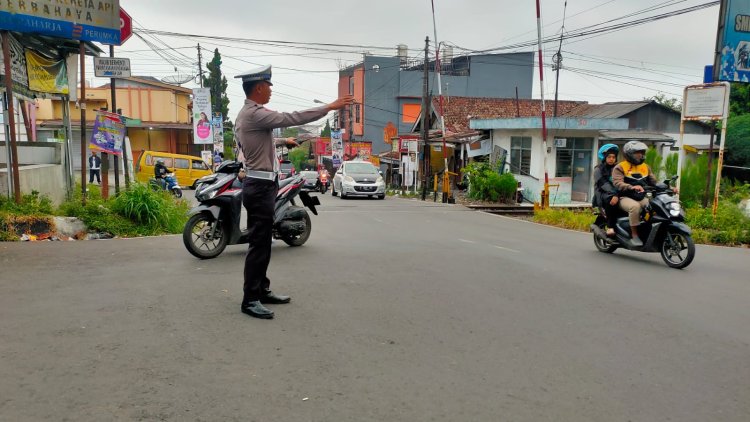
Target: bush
column 33, row 204
column 139, row 211
column 487, row 185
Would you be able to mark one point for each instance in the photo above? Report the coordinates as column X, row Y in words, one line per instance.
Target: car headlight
column 674, row 208
column 379, row 180
column 348, row 179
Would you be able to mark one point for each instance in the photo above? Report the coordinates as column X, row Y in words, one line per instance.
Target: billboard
column 202, row 127
column 337, row 148
column 97, row 21
column 733, row 42
column 19, row 73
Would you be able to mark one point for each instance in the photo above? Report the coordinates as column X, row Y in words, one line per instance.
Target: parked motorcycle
column 663, row 228
column 215, row 223
column 169, row 184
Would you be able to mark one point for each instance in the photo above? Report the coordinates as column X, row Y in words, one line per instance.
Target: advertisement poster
column 337, row 148
column 18, row 70
column 735, row 42
column 108, row 133
column 202, row 127
column 323, row 147
column 360, row 151
column 46, row 75
column 218, row 126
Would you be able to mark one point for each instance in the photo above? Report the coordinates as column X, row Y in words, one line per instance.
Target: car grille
column 365, row 188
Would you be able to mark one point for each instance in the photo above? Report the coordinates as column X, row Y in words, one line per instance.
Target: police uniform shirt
column 254, row 129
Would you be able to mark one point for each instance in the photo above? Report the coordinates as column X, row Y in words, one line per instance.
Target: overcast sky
column 661, row 54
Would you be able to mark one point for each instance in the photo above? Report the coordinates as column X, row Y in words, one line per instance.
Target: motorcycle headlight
column 674, row 208
column 348, row 179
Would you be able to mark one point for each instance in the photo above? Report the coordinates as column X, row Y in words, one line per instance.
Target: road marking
column 506, row 249
column 378, row 220
column 466, row 241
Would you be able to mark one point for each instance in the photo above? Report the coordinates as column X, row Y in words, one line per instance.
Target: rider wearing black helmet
column 160, row 171
column 630, row 177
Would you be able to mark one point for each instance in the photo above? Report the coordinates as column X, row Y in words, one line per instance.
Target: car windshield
column 287, row 166
column 309, row 174
column 361, row 168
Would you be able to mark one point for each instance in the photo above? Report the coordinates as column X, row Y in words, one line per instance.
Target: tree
column 673, row 103
column 739, row 99
column 290, row 132
column 326, row 133
column 218, row 84
column 737, row 145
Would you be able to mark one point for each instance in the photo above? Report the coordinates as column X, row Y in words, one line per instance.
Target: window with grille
column 520, row 154
column 565, row 155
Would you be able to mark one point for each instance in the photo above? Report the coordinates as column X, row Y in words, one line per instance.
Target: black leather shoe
column 274, row 299
column 257, row 310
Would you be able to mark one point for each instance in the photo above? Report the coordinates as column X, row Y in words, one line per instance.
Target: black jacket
column 605, row 190
column 160, row 170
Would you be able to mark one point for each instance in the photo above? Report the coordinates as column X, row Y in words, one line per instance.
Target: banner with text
column 337, row 148
column 83, row 20
column 46, row 75
column 734, row 42
column 19, row 74
column 218, row 125
column 108, row 133
column 202, row 127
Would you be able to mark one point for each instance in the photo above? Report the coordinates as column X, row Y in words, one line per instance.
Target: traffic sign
column 111, row 67
column 126, row 26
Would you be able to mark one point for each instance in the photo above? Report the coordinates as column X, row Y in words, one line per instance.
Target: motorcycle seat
column 285, row 182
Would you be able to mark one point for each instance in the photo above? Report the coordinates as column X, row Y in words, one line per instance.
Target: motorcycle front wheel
column 677, row 249
column 301, row 238
column 177, row 192
column 199, row 239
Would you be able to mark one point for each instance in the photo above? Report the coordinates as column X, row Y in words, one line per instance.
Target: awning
column 634, row 135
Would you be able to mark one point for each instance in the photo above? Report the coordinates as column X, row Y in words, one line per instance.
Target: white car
column 358, row 178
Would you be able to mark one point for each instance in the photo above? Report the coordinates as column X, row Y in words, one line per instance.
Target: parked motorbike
column 663, row 228
column 169, row 184
column 215, row 223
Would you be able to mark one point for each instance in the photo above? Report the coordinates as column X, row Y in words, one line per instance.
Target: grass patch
column 730, row 228
column 139, row 211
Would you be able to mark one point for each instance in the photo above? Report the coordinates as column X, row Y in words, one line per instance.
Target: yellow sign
column 46, row 75
column 689, row 148
column 375, row 160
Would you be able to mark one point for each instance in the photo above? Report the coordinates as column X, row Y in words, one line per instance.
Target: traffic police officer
column 254, row 131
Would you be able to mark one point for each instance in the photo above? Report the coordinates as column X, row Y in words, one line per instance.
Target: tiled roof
column 606, row 110
column 459, row 110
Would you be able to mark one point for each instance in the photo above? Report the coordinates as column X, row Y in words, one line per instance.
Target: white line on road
column 506, row 249
column 466, row 241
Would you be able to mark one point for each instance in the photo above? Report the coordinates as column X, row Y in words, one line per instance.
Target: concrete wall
column 46, row 179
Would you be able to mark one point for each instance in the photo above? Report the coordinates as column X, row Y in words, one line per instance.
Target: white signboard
column 704, row 102
column 202, row 127
column 111, row 67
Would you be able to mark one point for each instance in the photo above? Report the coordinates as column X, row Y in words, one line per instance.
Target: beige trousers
column 633, row 208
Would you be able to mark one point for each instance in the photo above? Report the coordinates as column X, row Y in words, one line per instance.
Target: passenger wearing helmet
column 630, row 177
column 606, row 195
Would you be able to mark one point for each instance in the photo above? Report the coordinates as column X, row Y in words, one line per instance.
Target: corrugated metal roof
column 608, row 110
column 634, row 135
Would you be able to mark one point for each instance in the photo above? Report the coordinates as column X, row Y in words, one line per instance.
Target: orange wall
column 359, row 97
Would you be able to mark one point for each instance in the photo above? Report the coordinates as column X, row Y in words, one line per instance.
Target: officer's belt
column 259, row 174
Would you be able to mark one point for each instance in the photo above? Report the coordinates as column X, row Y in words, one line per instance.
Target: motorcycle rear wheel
column 197, row 239
column 674, row 246
column 603, row 246
column 301, row 238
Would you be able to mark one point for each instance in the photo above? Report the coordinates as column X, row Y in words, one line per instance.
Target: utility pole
column 426, row 119
column 200, row 66
column 113, row 93
column 82, row 102
column 545, row 192
column 557, row 58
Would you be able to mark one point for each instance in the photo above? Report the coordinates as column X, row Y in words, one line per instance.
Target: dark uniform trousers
column 259, row 198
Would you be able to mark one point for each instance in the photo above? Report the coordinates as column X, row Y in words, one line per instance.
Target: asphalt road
column 401, row 311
